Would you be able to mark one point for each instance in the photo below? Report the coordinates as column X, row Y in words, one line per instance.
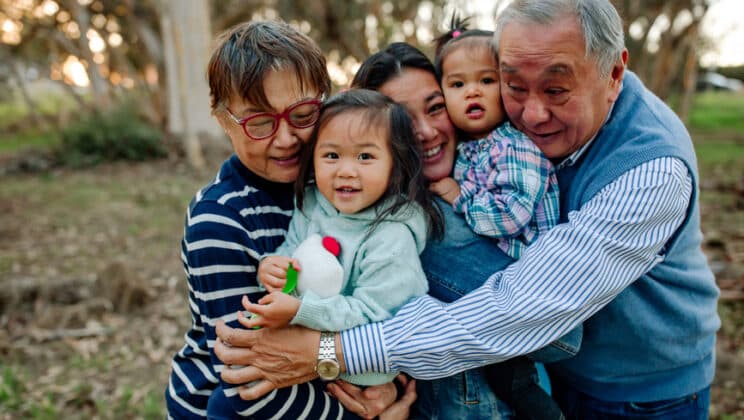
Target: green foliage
column 118, row 134
column 11, row 390
column 29, row 139
column 720, row 162
column 736, row 72
column 718, row 111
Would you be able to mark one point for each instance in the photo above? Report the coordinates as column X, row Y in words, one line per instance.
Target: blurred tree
column 663, row 40
column 157, row 49
column 186, row 37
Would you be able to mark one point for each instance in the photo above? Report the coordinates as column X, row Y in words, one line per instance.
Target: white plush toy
column 320, row 270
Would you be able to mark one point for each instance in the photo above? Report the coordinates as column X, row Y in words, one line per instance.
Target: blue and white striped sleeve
column 611, row 240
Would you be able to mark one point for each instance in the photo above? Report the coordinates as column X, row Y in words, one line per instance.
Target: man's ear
column 616, row 75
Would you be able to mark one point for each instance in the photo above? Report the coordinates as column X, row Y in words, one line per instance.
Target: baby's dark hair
column 407, row 183
column 460, row 36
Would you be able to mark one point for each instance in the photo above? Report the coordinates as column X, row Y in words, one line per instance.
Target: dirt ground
column 93, row 297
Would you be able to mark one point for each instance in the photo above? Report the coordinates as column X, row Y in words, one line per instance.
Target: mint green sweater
column 382, row 270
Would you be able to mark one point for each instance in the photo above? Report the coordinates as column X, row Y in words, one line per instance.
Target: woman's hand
column 273, row 310
column 275, row 357
column 376, row 400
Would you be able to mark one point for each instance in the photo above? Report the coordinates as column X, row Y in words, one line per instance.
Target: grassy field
column 73, row 242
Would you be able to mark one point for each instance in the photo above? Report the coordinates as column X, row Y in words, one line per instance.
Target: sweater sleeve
column 220, row 252
column 390, row 274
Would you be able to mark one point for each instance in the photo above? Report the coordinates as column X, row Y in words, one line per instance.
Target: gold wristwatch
column 328, row 367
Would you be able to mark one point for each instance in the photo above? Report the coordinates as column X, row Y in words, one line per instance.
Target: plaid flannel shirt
column 508, row 188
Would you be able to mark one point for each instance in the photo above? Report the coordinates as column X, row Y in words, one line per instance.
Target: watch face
column 328, row 369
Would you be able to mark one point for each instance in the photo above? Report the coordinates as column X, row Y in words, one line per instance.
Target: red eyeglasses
column 302, row 114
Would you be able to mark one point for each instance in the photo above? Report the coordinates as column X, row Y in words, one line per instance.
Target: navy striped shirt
column 230, row 224
column 610, row 242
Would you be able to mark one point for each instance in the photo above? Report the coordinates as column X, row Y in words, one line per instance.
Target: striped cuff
column 364, row 349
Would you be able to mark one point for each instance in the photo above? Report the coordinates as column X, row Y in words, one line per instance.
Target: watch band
column 327, row 345
column 328, row 367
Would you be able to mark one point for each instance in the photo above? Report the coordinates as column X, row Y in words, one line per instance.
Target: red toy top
column 331, row 244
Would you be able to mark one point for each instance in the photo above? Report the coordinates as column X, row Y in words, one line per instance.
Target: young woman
column 408, row 77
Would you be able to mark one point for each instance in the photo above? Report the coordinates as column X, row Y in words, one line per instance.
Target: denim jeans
column 577, row 405
column 463, row 261
column 454, row 266
column 464, row 396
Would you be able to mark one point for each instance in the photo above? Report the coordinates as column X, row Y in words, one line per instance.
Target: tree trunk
column 33, row 109
column 186, row 38
column 689, row 78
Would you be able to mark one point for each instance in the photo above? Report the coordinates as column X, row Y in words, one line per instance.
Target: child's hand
column 447, row 188
column 272, row 272
column 274, row 310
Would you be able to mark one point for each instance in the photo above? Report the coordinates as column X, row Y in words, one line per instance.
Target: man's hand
column 376, row 400
column 272, row 271
column 401, row 409
column 274, row 310
column 367, row 403
column 275, row 357
column 447, row 188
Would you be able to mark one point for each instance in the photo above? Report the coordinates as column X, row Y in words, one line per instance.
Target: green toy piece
column 291, row 283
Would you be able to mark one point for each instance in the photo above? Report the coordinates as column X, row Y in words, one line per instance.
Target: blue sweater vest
column 656, row 339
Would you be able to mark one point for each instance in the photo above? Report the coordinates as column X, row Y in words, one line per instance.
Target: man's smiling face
column 551, row 90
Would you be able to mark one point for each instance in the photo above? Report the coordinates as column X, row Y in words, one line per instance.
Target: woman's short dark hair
column 407, row 183
column 247, row 52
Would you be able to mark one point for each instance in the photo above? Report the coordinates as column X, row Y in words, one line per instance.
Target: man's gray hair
column 599, row 21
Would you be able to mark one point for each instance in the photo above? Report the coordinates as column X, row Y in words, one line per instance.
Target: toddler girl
column 364, row 187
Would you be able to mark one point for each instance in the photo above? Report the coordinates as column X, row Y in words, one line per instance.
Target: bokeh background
column 106, row 133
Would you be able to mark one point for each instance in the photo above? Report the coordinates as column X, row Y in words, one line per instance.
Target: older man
column 625, row 260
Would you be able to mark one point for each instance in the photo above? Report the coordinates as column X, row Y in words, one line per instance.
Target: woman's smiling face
column 277, row 157
column 418, row 91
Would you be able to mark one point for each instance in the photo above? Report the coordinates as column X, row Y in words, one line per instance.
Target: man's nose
column 535, row 112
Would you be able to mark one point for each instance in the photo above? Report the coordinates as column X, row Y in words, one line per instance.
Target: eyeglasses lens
column 302, row 115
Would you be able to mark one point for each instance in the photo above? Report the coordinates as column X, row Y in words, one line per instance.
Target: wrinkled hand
column 367, row 403
column 274, row 310
column 275, row 357
column 447, row 188
column 376, row 400
column 401, row 409
column 272, row 271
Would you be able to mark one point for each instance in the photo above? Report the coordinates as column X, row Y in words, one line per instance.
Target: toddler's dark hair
column 407, row 183
column 460, row 36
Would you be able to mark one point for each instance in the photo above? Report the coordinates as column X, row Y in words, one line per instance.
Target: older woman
column 266, row 81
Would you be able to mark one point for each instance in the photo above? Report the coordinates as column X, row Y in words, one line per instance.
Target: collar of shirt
column 573, row 157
